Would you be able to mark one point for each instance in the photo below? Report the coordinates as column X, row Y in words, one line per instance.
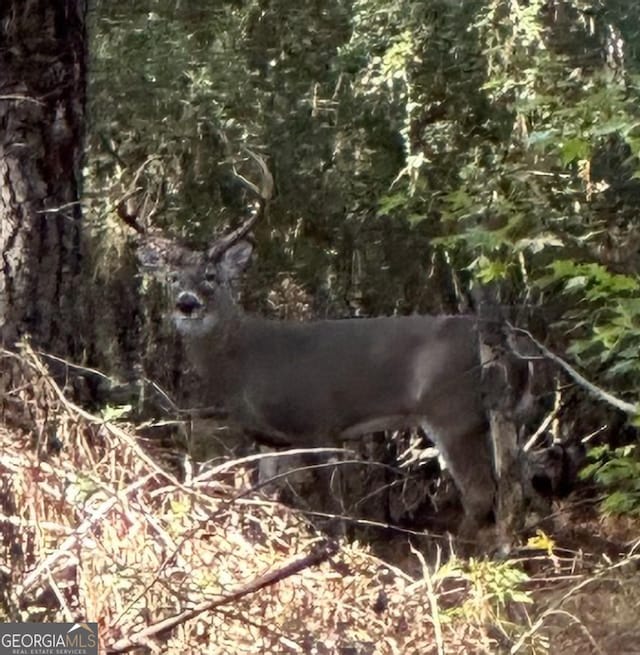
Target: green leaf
column 388, row 203
column 573, row 150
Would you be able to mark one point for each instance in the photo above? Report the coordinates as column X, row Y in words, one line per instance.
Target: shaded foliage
column 417, row 147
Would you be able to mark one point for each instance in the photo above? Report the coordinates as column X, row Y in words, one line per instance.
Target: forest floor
column 97, row 525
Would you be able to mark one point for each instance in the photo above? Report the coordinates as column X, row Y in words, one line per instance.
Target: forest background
column 417, row 147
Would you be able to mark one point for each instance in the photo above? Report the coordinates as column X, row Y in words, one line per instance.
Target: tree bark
column 42, row 110
column 501, row 397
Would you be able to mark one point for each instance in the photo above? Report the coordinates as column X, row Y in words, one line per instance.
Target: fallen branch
column 319, row 554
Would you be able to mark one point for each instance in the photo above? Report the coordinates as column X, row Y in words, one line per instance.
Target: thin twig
column 20, row 98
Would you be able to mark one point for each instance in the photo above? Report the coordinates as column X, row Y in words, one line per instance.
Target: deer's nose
column 187, row 303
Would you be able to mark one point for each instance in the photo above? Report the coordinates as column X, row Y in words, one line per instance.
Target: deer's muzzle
column 187, row 303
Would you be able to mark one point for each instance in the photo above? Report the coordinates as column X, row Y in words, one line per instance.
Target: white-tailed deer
column 320, row 382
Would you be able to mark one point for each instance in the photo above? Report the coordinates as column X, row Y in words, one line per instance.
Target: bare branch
column 600, row 394
column 20, row 98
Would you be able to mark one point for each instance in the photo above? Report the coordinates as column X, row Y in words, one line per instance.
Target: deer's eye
column 210, row 276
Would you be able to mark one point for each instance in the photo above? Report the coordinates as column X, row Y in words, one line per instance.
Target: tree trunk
column 502, row 391
column 42, row 111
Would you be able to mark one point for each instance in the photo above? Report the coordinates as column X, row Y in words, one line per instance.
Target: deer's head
column 204, row 283
column 206, row 294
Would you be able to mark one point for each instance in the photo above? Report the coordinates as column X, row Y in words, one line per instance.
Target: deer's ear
column 235, row 259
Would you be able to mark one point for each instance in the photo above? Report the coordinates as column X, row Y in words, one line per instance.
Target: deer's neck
column 217, row 356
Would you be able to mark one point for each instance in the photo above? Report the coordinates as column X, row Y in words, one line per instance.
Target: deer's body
column 318, row 383
column 295, row 381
